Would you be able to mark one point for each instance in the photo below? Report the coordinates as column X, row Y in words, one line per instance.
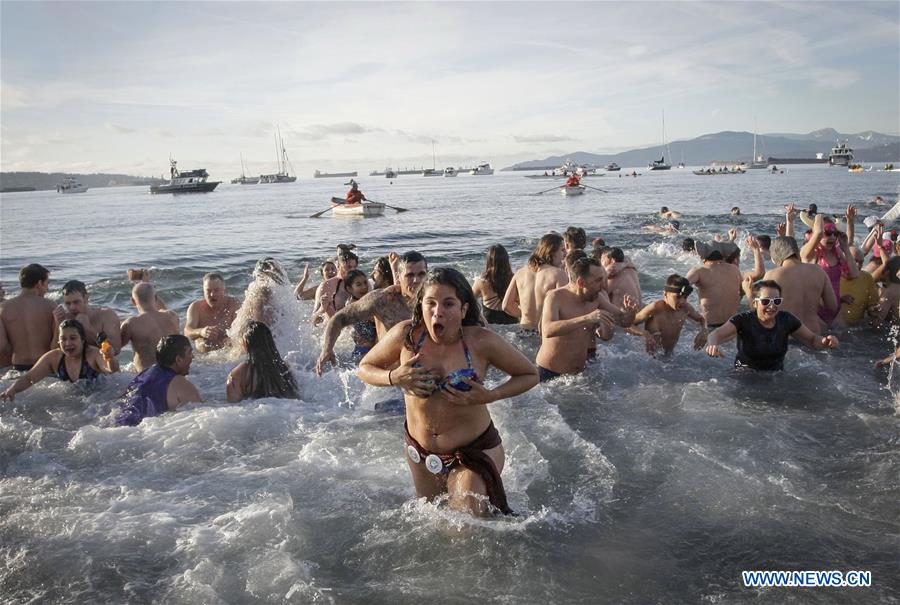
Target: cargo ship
column 318, row 174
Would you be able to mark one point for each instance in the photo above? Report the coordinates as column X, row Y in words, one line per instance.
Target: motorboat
column 856, row 168
column 432, row 172
column 365, row 210
column 612, row 167
column 70, row 184
column 572, row 190
column 482, row 170
column 191, row 181
column 841, row 155
column 450, row 171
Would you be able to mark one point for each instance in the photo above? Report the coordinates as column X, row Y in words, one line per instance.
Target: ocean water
column 640, row 481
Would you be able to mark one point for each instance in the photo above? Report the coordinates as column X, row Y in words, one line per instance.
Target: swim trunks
column 146, row 395
column 493, row 316
column 544, row 374
column 469, row 456
column 22, row 367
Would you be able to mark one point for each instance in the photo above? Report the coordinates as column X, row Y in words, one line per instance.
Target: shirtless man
column 27, row 326
column 805, row 286
column 386, row 307
column 664, row 212
column 96, row 320
column 145, row 329
column 530, row 284
column 208, row 319
column 718, row 285
column 621, row 277
column 664, row 319
column 570, row 318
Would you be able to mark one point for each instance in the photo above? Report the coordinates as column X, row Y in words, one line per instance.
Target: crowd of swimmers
column 428, row 332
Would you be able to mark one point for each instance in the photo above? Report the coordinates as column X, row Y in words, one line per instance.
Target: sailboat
column 243, row 179
column 282, row 176
column 758, row 161
column 661, row 164
column 432, row 171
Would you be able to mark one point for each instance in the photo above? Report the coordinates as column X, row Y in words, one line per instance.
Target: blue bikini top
column 455, row 378
column 86, row 372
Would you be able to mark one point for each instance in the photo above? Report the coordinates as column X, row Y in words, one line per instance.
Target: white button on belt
column 413, row 454
column 434, row 463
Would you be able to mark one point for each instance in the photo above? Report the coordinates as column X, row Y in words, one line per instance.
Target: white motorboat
column 841, row 155
column 70, row 184
column 364, row 210
column 482, row 170
column 573, row 190
column 432, row 172
column 612, row 167
column 450, row 171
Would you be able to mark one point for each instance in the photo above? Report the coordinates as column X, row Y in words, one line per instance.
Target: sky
column 119, row 86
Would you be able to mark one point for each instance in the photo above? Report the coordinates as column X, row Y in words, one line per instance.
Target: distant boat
column 841, row 155
column 482, row 169
column 70, row 184
column 192, row 181
column 244, row 179
column 661, row 164
column 450, row 171
column 389, row 174
column 856, row 168
column 612, row 167
column 324, row 175
column 283, row 175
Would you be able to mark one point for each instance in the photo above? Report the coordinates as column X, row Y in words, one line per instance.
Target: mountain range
column 731, row 146
column 13, row 181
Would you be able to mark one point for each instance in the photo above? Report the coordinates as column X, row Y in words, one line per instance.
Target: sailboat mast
column 665, row 138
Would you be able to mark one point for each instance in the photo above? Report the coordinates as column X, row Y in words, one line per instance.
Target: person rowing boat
column 573, row 181
column 355, row 196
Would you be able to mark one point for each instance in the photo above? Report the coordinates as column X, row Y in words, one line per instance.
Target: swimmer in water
column 452, row 446
column 664, row 319
column 73, row 361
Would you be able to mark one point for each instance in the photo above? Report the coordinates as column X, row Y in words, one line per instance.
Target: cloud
column 12, row 97
column 542, row 138
column 318, row 132
column 636, row 51
column 118, row 128
column 833, row 79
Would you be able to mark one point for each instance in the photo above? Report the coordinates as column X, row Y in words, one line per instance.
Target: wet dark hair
column 351, row 277
column 573, row 257
column 69, row 324
column 268, row 370
column 383, row 266
column 664, row 209
column 617, row 255
column 345, row 254
column 733, row 256
column 581, row 267
column 31, row 274
column 764, row 241
column 72, row 286
column 412, row 257
column 763, row 283
column 675, row 225
column 543, row 252
column 599, row 251
column 813, row 209
column 688, row 244
column 677, row 280
column 322, row 266
column 497, row 270
column 890, row 270
column 169, row 347
column 444, row 276
column 576, row 237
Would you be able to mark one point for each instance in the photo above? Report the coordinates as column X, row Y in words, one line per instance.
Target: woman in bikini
column 452, row 446
column 74, row 360
column 491, row 286
column 823, row 248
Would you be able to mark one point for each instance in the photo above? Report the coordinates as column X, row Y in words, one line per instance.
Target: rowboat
column 574, row 190
column 365, row 210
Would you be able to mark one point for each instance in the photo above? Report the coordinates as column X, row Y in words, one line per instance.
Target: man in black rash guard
column 763, row 332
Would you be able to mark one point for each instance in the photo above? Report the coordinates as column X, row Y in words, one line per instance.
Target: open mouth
column 438, row 329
